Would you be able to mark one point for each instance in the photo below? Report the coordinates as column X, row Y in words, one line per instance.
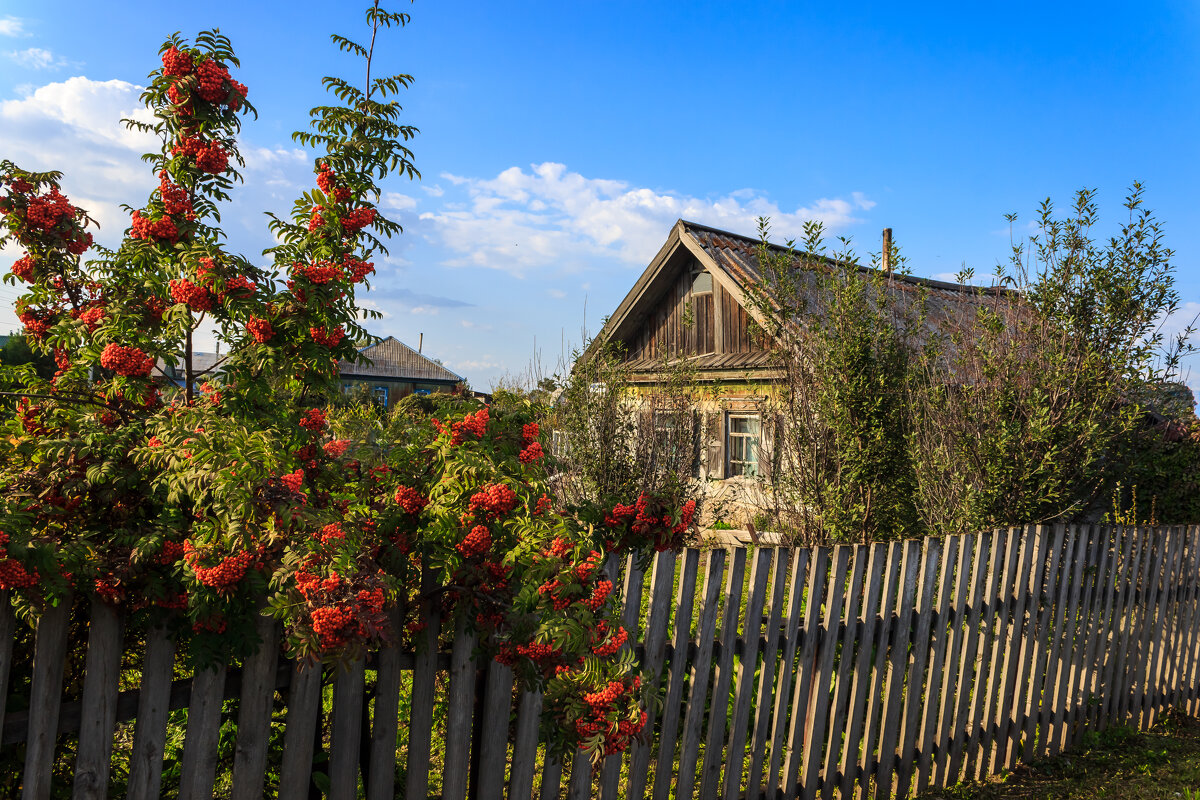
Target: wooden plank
column 664, row 767
column 1175, row 645
column 493, row 748
column 199, row 770
column 385, row 728
column 101, row 684
column 345, row 738
column 694, row 716
column 45, row 697
column 1019, row 653
column 254, row 714
column 420, row 724
column 460, row 713
column 1064, row 632
column 766, row 677
column 580, row 785
column 1098, row 630
column 552, row 772
column 818, row 699
column 662, row 580
column 876, row 697
column 1166, row 599
column 976, row 719
column 1187, row 630
column 840, row 687
column 915, row 689
column 303, row 709
column 524, row 758
column 8, row 632
column 1115, row 602
column 939, row 633
column 1050, row 550
column 1003, row 601
column 1122, row 688
column 1079, row 615
column 877, row 558
column 1151, row 606
column 968, row 664
column 818, row 577
column 631, row 599
column 710, row 772
column 743, row 678
column 897, row 667
column 783, row 683
column 1091, row 614
column 149, row 734
column 954, row 645
column 1058, row 584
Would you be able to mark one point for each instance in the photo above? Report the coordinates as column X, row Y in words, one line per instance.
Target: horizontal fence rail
column 877, row 670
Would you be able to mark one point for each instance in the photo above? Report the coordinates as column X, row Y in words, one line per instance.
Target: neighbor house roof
column 392, row 358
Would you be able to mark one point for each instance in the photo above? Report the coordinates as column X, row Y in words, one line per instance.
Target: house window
column 742, row 438
column 702, row 283
column 380, row 395
column 560, row 444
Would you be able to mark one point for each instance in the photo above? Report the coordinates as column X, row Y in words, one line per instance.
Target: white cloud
column 557, row 294
column 550, row 218
column 11, row 26
column 398, row 202
column 37, row 58
column 434, row 190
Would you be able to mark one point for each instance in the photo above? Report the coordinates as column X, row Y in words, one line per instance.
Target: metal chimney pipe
column 887, row 250
column 420, row 343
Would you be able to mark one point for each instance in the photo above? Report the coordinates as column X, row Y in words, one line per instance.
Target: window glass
column 702, row 283
column 742, row 443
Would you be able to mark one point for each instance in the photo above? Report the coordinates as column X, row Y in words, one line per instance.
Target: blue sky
column 559, row 141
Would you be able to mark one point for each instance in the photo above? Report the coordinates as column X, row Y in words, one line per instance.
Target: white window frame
column 743, row 467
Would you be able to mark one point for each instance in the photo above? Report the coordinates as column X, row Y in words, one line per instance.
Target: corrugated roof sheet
column 392, row 358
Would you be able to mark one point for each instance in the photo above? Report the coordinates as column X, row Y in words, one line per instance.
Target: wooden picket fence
column 856, row 670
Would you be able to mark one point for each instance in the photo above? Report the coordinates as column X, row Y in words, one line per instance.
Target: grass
column 1116, row 764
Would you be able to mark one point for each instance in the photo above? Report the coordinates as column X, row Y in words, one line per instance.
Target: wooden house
column 691, row 306
column 396, row 371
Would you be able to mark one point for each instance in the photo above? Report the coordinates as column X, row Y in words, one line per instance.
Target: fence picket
column 876, row 702
column 580, row 784
column 897, row 667
column 940, row 632
column 1084, row 617
column 496, row 712
column 420, row 725
column 45, row 698
column 1002, row 624
column 1020, row 633
column 817, row 577
column 661, row 582
column 989, row 615
column 693, row 718
column 1114, row 605
column 524, row 757
column 1097, row 630
column 743, row 677
column 818, row 698
column 968, row 665
column 303, row 708
column 149, row 734
column 954, row 644
column 1191, row 639
column 877, row 559
column 631, row 599
column 1151, row 580
column 840, row 690
column 1128, row 641
column 783, row 693
column 914, row 693
column 676, row 674
column 767, row 674
column 1167, row 599
column 1064, row 630
column 100, row 688
column 552, row 772
column 199, row 770
column 1044, row 582
column 1181, row 586
column 460, row 703
column 254, row 714
column 381, row 773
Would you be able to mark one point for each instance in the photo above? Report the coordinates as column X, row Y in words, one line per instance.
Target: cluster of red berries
column 531, row 453
column 329, row 338
column 476, row 542
column 92, row 316
column 128, row 361
column 225, row 575
column 601, row 706
column 212, row 81
column 493, row 499
column 176, row 62
column 23, row 268
column 313, row 420
column 174, row 197
column 320, row 273
column 260, row 329
column 538, row 651
column 13, row 574
column 327, row 183
column 358, row 219
column 150, row 229
column 332, row 531
column 649, row 521
column 544, row 504
column 335, row 448
column 197, row 298
column 411, row 500
column 357, row 270
column 293, row 480
column 605, row 645
column 529, row 432
column 600, row 593
column 45, row 211
column 209, row 155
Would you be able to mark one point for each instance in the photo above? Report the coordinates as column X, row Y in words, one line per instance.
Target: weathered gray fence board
column 663, row 772
column 149, row 734
column 461, row 708
column 661, row 583
column 254, row 714
column 303, row 708
column 767, row 675
column 199, row 770
column 916, row 686
column 743, row 678
column 783, row 694
column 45, row 697
column 385, row 728
column 939, row 633
column 631, row 599
column 876, row 699
column 955, row 620
column 101, row 684
column 840, row 689
column 420, row 729
column 493, row 748
column 818, row 577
